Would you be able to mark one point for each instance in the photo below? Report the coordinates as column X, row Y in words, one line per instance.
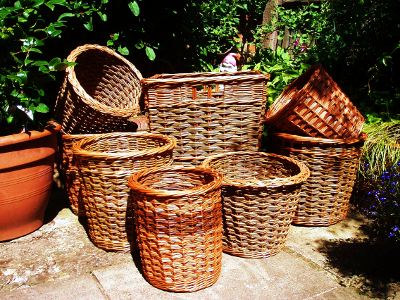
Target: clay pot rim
column 11, row 139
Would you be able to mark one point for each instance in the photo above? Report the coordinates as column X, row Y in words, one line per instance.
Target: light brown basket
column 178, row 220
column 100, row 93
column 314, row 105
column 333, row 163
column 105, row 162
column 207, row 112
column 259, row 198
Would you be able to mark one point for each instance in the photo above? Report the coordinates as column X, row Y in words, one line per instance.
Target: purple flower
column 296, row 43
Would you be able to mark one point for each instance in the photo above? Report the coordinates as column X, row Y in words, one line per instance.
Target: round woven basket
column 314, row 105
column 70, row 172
column 259, row 197
column 178, row 218
column 104, row 163
column 333, row 163
column 100, row 93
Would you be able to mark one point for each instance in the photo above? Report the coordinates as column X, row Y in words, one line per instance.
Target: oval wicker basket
column 259, row 197
column 314, row 105
column 178, row 220
column 100, row 93
column 104, row 163
column 207, row 112
column 333, row 164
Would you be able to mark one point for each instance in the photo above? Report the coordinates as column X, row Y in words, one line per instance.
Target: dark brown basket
column 178, row 220
column 333, row 163
column 207, row 112
column 314, row 105
column 104, row 163
column 100, row 93
column 259, row 197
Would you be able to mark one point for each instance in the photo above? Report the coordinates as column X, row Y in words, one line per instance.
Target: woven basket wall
column 333, row 163
column 178, row 218
column 70, row 172
column 207, row 112
column 314, row 105
column 100, row 93
column 104, row 163
column 259, row 197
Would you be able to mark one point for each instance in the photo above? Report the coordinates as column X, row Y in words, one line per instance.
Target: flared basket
column 178, row 220
column 207, row 113
column 333, row 163
column 314, row 105
column 100, row 94
column 104, row 163
column 259, row 198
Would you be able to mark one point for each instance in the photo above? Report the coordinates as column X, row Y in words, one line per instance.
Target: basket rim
column 284, row 100
column 79, row 152
column 299, row 178
column 134, row 184
column 318, row 140
column 88, row 99
column 203, row 78
column 71, row 136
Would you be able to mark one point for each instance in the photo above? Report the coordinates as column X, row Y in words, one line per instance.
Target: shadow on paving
column 369, row 265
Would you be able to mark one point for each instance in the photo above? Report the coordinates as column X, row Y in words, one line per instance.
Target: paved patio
column 58, row 261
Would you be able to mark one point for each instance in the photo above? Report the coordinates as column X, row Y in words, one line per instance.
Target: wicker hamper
column 333, row 163
column 207, row 112
column 314, row 105
column 259, row 198
column 104, row 163
column 178, row 220
column 100, row 93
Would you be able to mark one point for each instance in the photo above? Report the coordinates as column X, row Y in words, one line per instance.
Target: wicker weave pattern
column 105, row 162
column 314, row 105
column 70, row 173
column 100, row 94
column 178, row 219
column 207, row 112
column 259, row 196
column 324, row 198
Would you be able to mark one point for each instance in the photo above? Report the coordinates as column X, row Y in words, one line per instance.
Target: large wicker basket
column 259, row 198
column 178, row 220
column 104, row 163
column 333, row 163
column 314, row 105
column 100, row 93
column 207, row 112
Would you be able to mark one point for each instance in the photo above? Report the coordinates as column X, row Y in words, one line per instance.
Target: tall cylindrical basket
column 178, row 220
column 104, row 163
column 333, row 163
column 259, row 198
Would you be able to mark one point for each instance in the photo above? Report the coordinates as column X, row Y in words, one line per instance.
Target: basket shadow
column 368, row 265
column 57, row 202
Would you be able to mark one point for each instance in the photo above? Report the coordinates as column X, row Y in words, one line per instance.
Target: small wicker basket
column 178, row 220
column 104, row 163
column 314, row 105
column 324, row 198
column 259, row 197
column 207, row 112
column 100, row 93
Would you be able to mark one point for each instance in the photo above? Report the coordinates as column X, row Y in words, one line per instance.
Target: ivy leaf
column 23, row 76
column 53, row 63
column 65, row 15
column 150, row 53
column 134, row 7
column 123, row 50
column 42, row 108
column 103, row 17
column 89, row 25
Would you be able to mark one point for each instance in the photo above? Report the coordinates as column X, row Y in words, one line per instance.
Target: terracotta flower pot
column 26, row 176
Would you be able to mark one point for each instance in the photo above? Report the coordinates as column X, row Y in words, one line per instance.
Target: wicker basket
column 178, row 220
column 259, row 197
column 207, row 112
column 314, row 105
column 105, row 162
column 100, row 93
column 333, row 163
